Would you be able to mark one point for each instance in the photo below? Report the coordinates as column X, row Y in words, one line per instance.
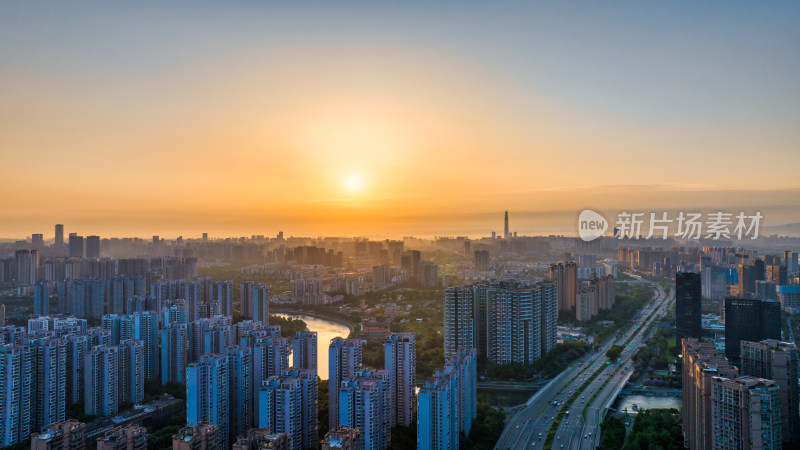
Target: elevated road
column 588, row 387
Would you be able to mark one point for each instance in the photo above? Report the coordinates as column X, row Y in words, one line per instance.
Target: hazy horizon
column 388, row 120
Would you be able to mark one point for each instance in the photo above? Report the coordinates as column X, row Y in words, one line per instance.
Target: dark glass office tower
column 688, row 298
column 749, row 319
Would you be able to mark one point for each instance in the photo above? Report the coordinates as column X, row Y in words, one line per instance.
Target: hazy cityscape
column 372, row 226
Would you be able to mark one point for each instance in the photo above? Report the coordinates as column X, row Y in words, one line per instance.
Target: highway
column 586, row 385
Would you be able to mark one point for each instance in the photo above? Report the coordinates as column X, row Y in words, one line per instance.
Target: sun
column 354, row 182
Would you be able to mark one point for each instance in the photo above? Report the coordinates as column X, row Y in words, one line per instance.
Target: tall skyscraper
column 76, row 249
column 505, row 226
column 344, row 358
column 400, row 360
column 749, row 320
column 59, row 239
column 776, row 361
column 688, row 307
column 92, row 246
column 304, row 350
column 746, row 413
column 254, row 301
column 207, row 394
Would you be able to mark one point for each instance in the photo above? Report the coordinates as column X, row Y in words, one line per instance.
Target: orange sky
column 264, row 138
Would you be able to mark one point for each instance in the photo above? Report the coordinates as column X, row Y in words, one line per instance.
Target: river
column 326, row 330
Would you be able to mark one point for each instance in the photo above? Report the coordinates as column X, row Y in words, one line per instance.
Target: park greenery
column 486, row 429
column 548, row 366
column 289, row 327
column 613, row 352
column 658, row 351
column 656, row 428
column 612, row 433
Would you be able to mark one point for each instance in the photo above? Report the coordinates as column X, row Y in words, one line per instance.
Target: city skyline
column 381, row 120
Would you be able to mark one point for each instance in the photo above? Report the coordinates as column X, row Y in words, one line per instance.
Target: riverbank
column 322, row 316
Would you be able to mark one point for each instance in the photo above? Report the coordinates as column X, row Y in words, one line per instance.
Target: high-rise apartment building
column 222, row 293
column 254, row 301
column 750, row 320
column 700, row 364
column 17, row 392
column 776, row 273
column 344, row 358
column 565, row 275
column 400, row 360
column 746, row 413
column 364, row 403
column 50, row 382
column 776, row 361
column 270, row 359
column 304, row 350
column 101, row 380
column 174, row 352
column 309, row 404
column 506, row 321
column 27, row 263
column 448, row 404
column 146, row 329
column 280, row 403
column 688, row 306
column 131, row 371
column 41, row 298
column 77, row 347
column 208, row 394
column 427, row 274
column 240, row 385
column 482, row 260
